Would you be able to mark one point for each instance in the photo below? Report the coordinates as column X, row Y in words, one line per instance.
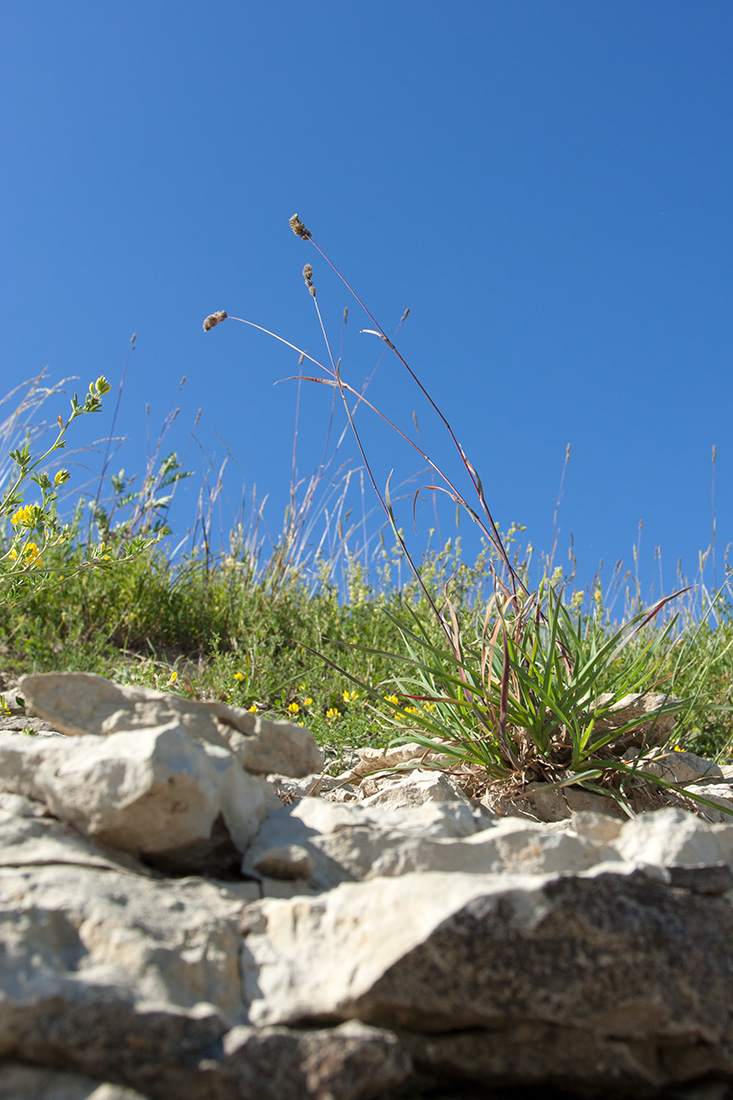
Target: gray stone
column 349, row 1062
column 672, row 837
column 574, row 1061
column 412, row 789
column 680, row 767
column 592, row 953
column 156, row 792
column 80, row 703
column 18, row 1082
column 638, row 710
column 336, row 843
column 615, row 955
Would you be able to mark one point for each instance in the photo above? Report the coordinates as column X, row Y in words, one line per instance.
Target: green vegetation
column 503, row 674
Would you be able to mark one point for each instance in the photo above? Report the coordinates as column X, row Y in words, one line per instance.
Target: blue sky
column 546, row 186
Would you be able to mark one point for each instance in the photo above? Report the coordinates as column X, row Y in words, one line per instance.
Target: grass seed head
column 215, row 319
column 299, row 229
column 308, row 276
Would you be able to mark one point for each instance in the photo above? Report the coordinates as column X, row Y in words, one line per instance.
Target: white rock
column 323, row 845
column 164, row 945
column 28, row 838
column 376, row 760
column 411, row 789
column 680, row 767
column 720, row 794
column 80, row 703
column 618, row 954
column 145, row 794
column 671, row 837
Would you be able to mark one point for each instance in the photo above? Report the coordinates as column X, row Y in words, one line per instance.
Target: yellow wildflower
column 31, row 555
column 293, row 708
column 333, row 712
column 25, row 516
column 238, row 675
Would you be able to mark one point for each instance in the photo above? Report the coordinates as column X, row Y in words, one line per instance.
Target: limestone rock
column 323, row 844
column 371, row 760
column 671, row 838
column 633, row 710
column 80, row 703
column 574, row 1061
column 592, row 953
column 156, row 792
column 721, row 796
column 411, row 789
column 125, row 938
column 28, row 837
column 681, row 767
column 614, row 954
column 542, row 802
column 18, row 1082
column 348, row 1062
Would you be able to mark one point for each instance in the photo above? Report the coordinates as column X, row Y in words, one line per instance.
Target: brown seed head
column 299, row 229
column 214, row 319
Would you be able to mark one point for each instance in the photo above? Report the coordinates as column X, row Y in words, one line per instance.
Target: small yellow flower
column 61, row 476
column 350, row 696
column 173, row 677
column 410, row 710
column 25, row 516
column 252, row 709
column 238, row 675
column 428, row 707
column 333, row 712
column 307, row 701
column 293, row 708
column 31, row 555
column 392, row 699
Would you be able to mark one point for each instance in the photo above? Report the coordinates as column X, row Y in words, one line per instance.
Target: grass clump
column 531, row 692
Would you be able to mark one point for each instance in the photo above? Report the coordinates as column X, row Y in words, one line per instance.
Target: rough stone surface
column 18, row 1082
column 79, row 703
column 405, row 943
column 156, row 792
column 417, row 787
column 324, row 845
column 350, row 1062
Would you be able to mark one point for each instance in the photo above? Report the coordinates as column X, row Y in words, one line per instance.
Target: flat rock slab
column 616, row 956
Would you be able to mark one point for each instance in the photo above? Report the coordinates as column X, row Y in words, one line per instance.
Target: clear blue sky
column 547, row 186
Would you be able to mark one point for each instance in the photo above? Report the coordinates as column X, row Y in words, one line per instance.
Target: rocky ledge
column 192, row 910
